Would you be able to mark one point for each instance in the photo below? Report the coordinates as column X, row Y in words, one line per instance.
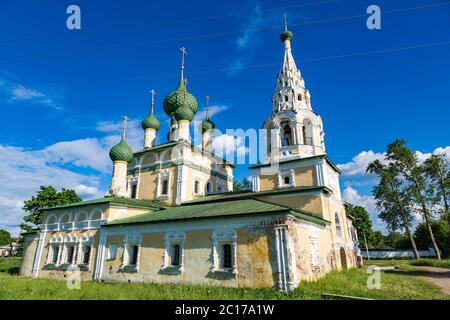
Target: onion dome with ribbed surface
column 183, row 113
column 286, row 35
column 121, row 152
column 151, row 123
column 175, row 100
column 207, row 125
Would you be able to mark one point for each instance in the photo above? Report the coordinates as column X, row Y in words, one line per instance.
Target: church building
column 171, row 216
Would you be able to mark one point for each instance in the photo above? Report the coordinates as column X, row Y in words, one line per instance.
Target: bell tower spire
column 290, row 92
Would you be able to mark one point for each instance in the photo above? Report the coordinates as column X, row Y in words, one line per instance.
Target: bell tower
column 295, row 131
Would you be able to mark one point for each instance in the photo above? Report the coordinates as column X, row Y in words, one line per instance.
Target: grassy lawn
column 403, row 263
column 349, row 282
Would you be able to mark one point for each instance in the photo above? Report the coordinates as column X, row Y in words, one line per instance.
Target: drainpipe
column 283, row 258
column 280, row 270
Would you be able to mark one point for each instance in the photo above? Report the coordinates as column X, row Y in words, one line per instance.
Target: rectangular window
column 165, row 187
column 70, row 254
column 55, row 253
column 133, row 191
column 86, row 254
column 226, row 257
column 134, row 251
column 175, row 255
column 196, row 187
column 112, row 251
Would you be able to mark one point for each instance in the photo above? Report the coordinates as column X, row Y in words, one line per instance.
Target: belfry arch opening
column 286, row 135
column 307, row 132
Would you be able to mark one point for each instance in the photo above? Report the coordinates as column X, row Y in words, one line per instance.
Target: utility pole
column 367, row 248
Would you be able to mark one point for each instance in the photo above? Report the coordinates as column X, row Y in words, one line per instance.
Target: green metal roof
column 213, row 210
column 247, row 194
column 300, row 160
column 136, row 203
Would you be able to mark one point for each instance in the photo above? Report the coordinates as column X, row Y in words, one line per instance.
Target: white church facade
column 171, row 215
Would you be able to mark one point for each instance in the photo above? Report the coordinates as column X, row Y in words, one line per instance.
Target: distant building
column 8, row 250
column 171, row 216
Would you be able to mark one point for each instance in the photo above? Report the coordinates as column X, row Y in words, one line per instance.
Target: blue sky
column 63, row 92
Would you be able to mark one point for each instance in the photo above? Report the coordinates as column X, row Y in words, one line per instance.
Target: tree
column 436, row 168
column 376, row 239
column 5, row 237
column 245, row 185
column 392, row 201
column 441, row 231
column 423, row 197
column 361, row 221
column 47, row 196
column 398, row 240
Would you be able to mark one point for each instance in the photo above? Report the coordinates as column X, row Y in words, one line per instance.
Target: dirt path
column 439, row 276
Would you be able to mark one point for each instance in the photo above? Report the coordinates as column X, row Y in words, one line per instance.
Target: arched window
column 299, row 97
column 337, row 222
column 196, row 187
column 286, row 135
column 307, row 132
column 286, row 98
column 209, row 188
column 165, row 187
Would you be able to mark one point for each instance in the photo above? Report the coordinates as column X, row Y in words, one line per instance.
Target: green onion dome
column 207, row 125
column 184, row 113
column 176, row 99
column 150, row 123
column 121, row 152
column 286, row 35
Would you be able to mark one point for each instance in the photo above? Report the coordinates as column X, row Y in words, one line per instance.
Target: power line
column 177, row 22
column 229, row 33
column 267, row 65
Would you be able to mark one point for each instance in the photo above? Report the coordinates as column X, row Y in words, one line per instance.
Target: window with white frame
column 54, row 249
column 174, row 250
column 163, row 183
column 224, row 250
column 197, row 187
column 286, row 179
column 131, row 249
column 70, row 249
column 85, row 248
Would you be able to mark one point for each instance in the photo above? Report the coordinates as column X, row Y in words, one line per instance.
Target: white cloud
column 14, row 92
column 359, row 163
column 352, row 196
column 229, row 147
column 23, row 171
column 213, row 110
column 444, row 150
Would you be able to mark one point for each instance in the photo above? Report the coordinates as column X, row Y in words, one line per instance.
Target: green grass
column 445, row 263
column 350, row 282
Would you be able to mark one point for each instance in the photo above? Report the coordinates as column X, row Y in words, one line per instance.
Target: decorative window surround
column 131, row 239
column 199, row 186
column 162, row 176
column 282, row 175
column 171, row 238
column 220, row 237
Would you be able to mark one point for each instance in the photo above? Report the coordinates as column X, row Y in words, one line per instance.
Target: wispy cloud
column 213, row 110
column 14, row 91
column 81, row 164
column 250, row 38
